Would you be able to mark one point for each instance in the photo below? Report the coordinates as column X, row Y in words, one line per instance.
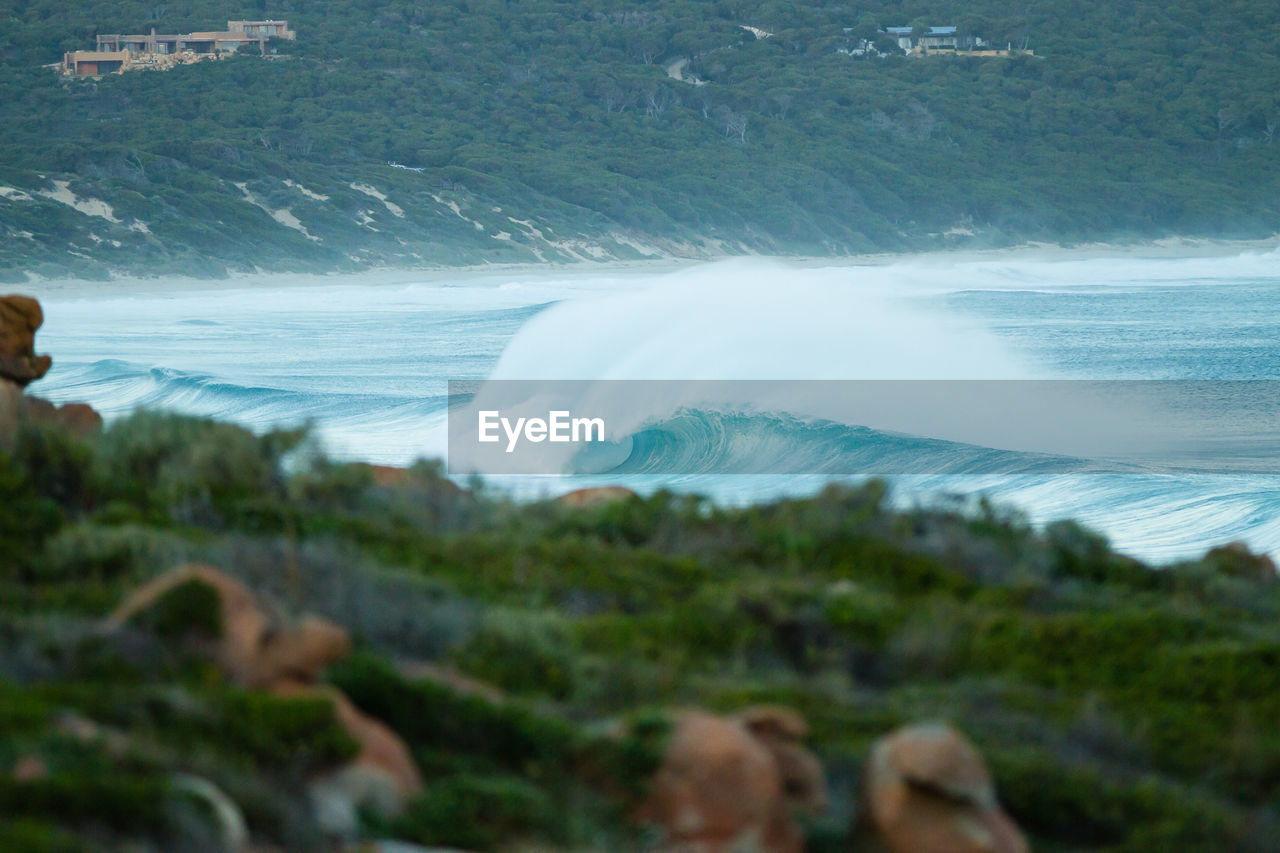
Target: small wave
column 116, row 387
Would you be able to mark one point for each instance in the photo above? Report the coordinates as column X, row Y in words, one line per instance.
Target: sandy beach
column 1174, row 247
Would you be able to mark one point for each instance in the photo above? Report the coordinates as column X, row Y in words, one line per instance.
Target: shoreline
column 1165, row 249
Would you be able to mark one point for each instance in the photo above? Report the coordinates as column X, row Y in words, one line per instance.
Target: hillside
column 550, row 130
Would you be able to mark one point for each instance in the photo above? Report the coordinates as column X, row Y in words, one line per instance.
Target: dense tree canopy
column 1133, row 119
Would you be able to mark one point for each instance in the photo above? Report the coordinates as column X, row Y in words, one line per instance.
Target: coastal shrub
column 21, row 710
column 249, row 730
column 299, row 732
column 45, row 474
column 631, row 521
column 26, row 517
column 1084, row 807
column 438, row 722
column 193, row 608
column 57, row 464
column 1113, row 649
column 522, row 654
column 35, row 836
column 614, row 684
column 861, row 612
column 189, row 469
column 929, row 644
column 1224, row 692
column 124, row 802
column 1236, row 561
column 624, row 757
column 694, row 634
column 873, row 560
column 1086, row 555
column 100, row 552
column 327, row 485
column 481, row 812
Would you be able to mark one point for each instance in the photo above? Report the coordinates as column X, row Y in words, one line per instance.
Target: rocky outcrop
column 12, row 405
column 228, row 820
column 256, row 648
column 1235, row 559
column 20, row 316
column 733, row 783
column 29, row 768
column 380, row 778
column 80, row 418
column 600, row 496
column 926, row 789
column 782, row 731
column 16, row 408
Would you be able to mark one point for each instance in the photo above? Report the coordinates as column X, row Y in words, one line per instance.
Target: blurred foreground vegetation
column 1120, row 707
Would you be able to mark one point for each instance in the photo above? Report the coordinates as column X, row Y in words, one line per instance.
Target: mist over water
column 368, row 360
column 758, row 320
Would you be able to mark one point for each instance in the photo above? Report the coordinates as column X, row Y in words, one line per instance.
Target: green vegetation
column 557, row 125
column 1120, row 707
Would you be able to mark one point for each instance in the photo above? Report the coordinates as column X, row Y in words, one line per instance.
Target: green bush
column 438, row 722
column 126, row 803
column 89, row 552
column 1088, row 808
column 192, row 609
column 31, row 836
column 190, row 469
column 522, row 654
column 282, row 731
column 482, row 812
column 27, row 516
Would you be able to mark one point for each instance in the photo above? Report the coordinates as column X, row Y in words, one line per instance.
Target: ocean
column 367, row 360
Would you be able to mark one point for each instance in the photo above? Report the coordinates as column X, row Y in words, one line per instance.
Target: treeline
column 1132, row 120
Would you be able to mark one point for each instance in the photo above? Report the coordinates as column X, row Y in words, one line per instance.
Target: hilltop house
column 116, row 54
column 933, row 40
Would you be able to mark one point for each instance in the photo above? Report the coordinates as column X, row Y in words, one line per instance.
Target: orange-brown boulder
column 1235, row 559
column 11, row 407
column 381, row 749
column 389, row 476
column 20, row 316
column 77, row 417
column 255, row 648
column 590, row 498
column 719, row 789
column 926, row 790
column 29, row 768
column 380, row 779
column 302, row 651
column 782, row 731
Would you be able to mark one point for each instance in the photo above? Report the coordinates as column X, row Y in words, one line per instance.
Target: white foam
column 751, row 320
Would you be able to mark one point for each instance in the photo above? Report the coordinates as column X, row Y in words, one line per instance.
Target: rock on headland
column 927, row 790
column 20, row 317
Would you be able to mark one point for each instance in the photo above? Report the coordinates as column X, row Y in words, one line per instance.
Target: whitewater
column 367, row 359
